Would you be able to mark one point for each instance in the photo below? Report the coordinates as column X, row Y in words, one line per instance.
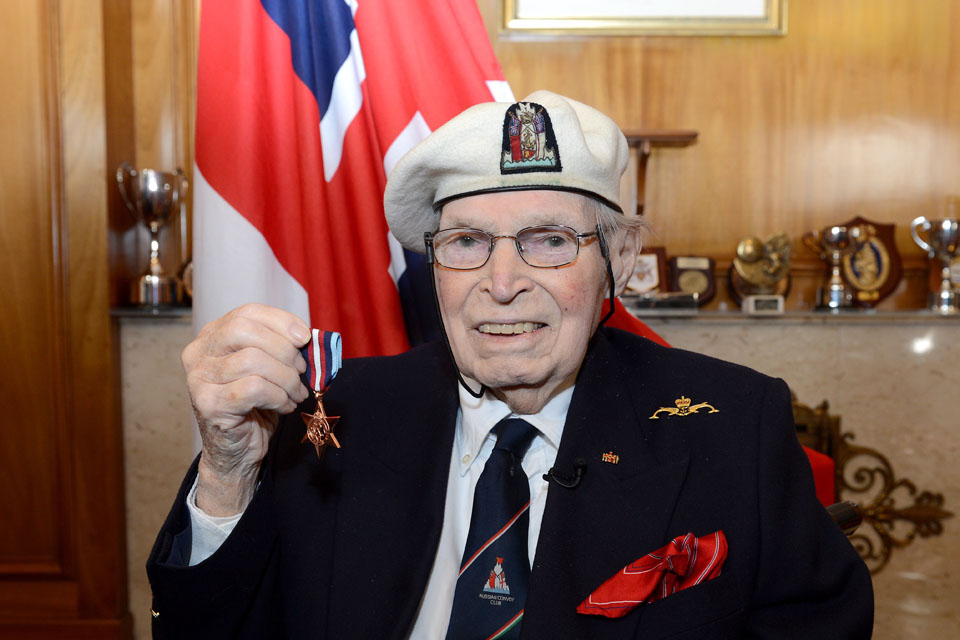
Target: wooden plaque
column 693, row 274
column 875, row 270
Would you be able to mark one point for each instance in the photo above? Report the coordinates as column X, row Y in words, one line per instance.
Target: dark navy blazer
column 344, row 548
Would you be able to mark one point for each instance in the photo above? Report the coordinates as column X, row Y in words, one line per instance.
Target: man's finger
column 240, row 397
column 239, row 332
column 277, row 320
column 252, row 361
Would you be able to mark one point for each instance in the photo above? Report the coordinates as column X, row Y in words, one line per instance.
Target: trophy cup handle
column 918, row 222
column 123, row 172
column 182, row 183
column 181, row 186
column 812, row 244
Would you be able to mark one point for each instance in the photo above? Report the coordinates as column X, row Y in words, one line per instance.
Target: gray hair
column 615, row 225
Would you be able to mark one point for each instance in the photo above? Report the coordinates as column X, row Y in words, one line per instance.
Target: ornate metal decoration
column 684, row 408
column 866, row 475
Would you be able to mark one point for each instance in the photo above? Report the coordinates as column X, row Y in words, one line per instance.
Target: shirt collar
column 479, row 415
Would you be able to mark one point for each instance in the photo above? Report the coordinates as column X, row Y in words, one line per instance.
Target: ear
column 623, row 259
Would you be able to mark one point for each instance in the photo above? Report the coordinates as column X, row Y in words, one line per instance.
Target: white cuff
column 207, row 532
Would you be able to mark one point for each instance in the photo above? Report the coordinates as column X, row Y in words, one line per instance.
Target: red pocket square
column 685, row 561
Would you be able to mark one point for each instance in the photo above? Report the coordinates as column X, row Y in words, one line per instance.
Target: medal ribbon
column 323, row 354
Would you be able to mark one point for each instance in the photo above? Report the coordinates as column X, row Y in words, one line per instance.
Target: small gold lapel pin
column 610, row 457
column 683, row 408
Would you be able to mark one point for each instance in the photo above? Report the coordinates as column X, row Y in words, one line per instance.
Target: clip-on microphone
column 565, row 481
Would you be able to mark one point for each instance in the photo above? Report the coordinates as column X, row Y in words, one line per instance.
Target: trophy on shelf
column 153, row 197
column 943, row 242
column 760, row 277
column 833, row 243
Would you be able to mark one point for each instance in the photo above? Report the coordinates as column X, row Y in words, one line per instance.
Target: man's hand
column 243, row 372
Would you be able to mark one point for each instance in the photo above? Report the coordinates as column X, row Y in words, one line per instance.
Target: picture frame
column 651, row 272
column 645, row 17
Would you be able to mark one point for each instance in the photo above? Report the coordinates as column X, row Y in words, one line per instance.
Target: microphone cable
column 566, row 481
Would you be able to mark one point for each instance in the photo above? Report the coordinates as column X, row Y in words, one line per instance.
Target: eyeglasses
column 544, row 246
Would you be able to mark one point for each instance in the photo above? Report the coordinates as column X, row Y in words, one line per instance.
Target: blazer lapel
column 620, row 511
column 390, row 511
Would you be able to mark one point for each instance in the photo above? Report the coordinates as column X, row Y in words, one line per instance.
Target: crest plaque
column 874, row 270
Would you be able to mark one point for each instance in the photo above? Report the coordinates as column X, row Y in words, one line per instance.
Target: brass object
column 761, row 267
column 865, row 474
column 320, row 427
column 848, row 516
column 683, row 408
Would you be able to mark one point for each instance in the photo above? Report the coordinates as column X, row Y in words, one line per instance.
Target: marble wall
column 158, row 430
column 889, row 377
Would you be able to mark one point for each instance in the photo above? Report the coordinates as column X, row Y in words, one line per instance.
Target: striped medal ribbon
column 323, row 355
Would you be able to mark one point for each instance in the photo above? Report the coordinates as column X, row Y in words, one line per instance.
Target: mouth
column 509, row 329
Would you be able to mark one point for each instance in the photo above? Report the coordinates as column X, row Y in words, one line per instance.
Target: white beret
column 545, row 141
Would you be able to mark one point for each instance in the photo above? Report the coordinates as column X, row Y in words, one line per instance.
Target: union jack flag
column 539, row 124
column 303, row 108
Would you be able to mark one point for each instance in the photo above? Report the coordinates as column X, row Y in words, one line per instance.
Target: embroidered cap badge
column 529, row 144
column 683, row 408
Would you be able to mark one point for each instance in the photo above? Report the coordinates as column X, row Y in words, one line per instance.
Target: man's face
column 511, row 325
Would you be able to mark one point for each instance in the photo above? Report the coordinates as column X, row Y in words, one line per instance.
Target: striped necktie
column 495, row 567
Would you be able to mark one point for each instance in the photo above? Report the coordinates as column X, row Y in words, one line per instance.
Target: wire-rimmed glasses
column 541, row 246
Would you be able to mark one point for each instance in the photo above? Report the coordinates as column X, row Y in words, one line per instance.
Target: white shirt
column 473, row 442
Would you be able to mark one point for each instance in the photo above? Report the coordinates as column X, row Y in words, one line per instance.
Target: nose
column 506, row 273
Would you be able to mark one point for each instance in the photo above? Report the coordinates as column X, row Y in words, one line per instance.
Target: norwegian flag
column 303, row 108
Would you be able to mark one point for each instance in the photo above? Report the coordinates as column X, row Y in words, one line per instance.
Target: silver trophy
column 943, row 242
column 833, row 243
column 153, row 197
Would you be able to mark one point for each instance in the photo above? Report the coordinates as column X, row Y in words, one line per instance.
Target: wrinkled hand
column 243, row 371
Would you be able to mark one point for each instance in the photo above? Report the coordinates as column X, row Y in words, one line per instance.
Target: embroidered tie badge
column 497, row 582
column 683, row 408
column 323, row 355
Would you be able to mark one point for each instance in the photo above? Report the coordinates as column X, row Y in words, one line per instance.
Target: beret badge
column 529, row 143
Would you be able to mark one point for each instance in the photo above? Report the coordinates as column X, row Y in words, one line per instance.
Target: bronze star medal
column 320, row 427
column 323, row 356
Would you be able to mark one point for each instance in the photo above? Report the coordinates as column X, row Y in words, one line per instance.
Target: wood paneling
column 62, row 563
column 853, row 112
column 30, row 322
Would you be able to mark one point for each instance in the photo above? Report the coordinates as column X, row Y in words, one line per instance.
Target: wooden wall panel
column 62, row 562
column 127, row 242
column 29, row 324
column 853, row 112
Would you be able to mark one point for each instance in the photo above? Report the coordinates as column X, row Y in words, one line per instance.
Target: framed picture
column 645, row 17
column 651, row 272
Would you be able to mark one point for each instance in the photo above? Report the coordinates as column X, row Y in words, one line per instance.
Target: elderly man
column 535, row 476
